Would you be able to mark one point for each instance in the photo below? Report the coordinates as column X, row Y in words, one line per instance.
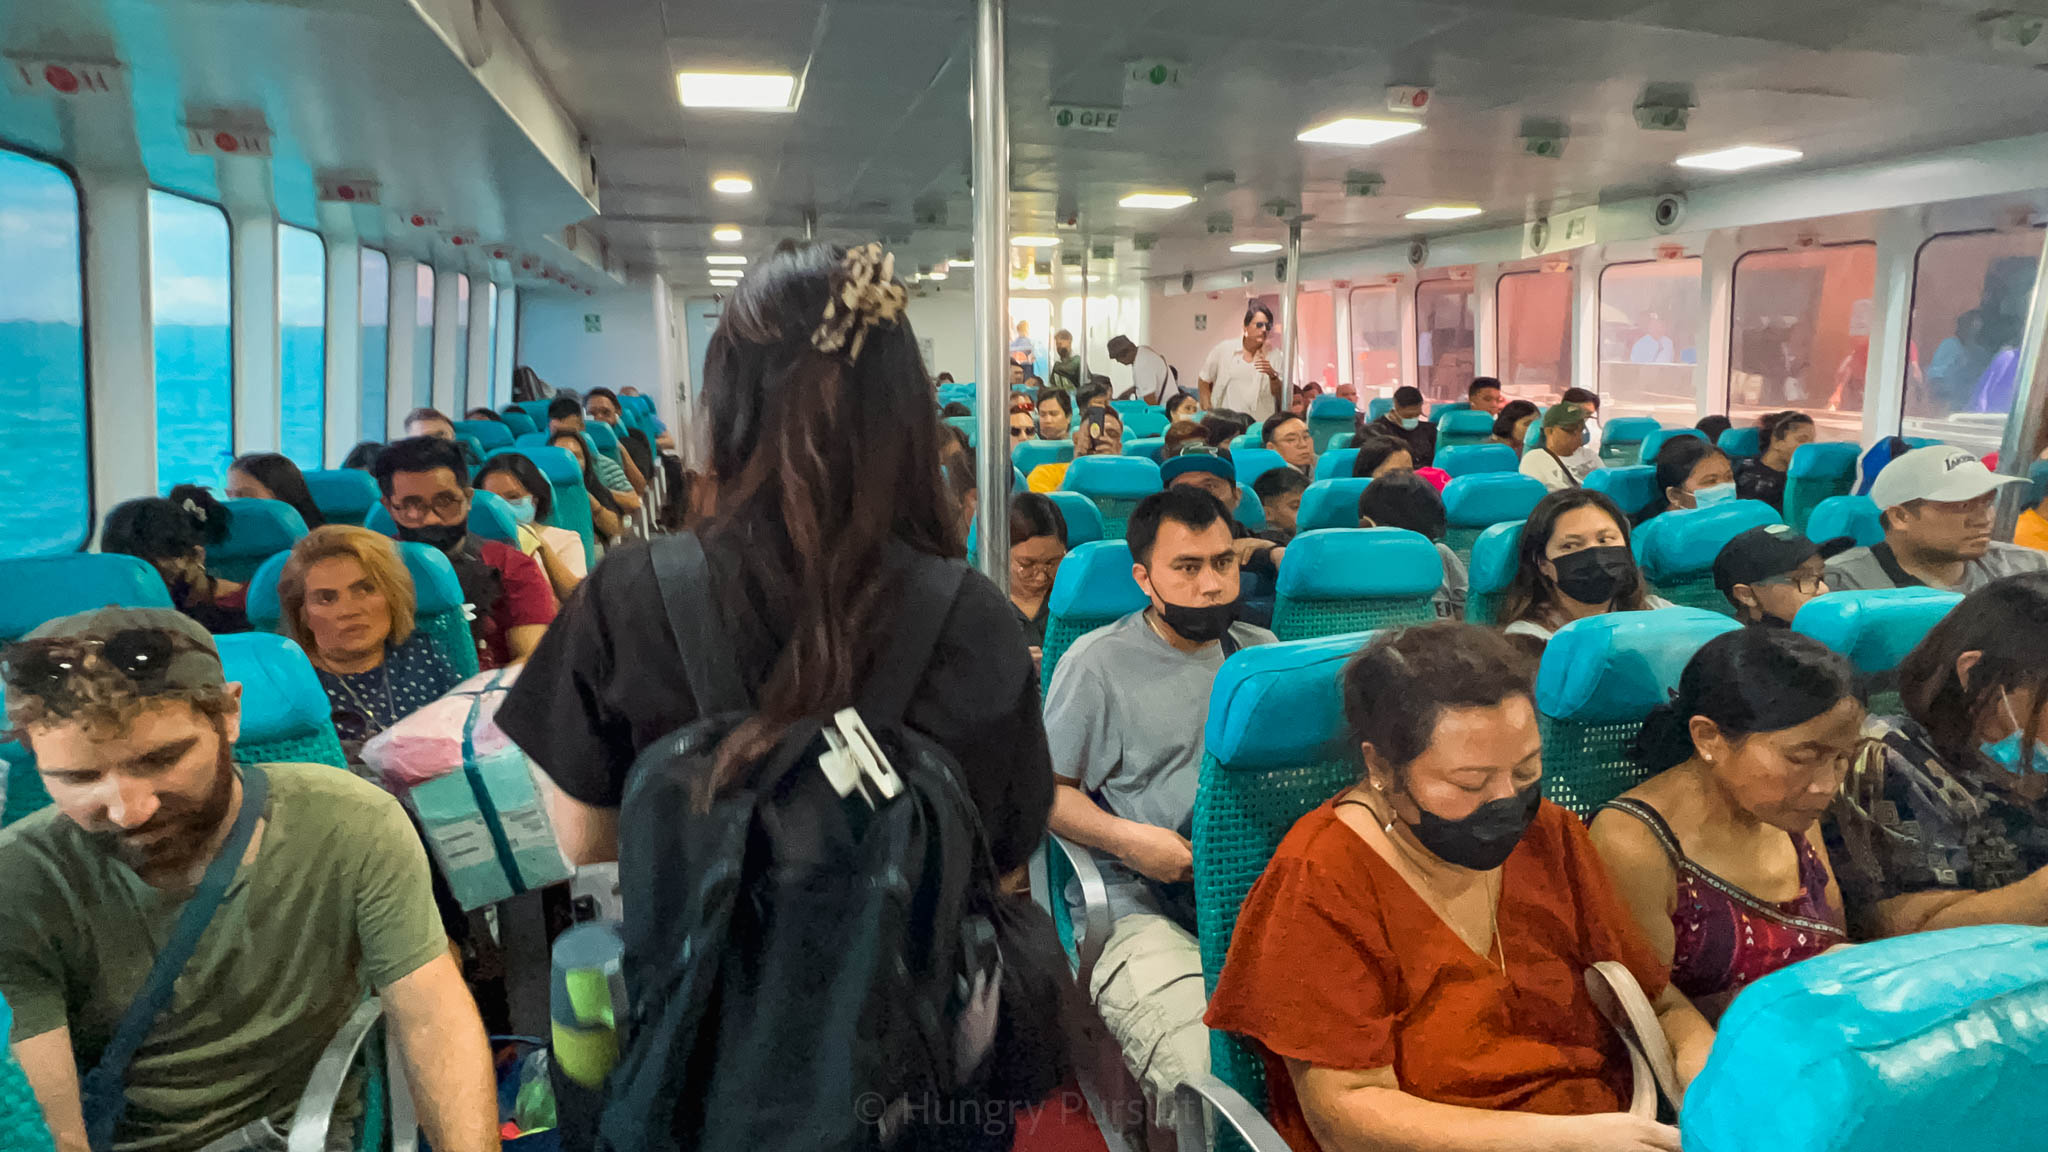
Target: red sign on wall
column 221, row 140
column 68, row 78
column 345, row 189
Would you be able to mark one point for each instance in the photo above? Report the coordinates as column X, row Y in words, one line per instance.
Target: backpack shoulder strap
column 930, row 585
column 683, row 574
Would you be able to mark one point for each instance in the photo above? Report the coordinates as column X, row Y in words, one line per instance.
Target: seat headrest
column 1336, row 463
column 43, row 588
column 490, row 518
column 1252, row 463
column 1126, row 407
column 1084, row 519
column 556, row 464
column 967, row 424
column 434, row 585
column 1829, row 460
column 1473, row 459
column 1346, row 563
column 601, row 434
column 1438, row 410
column 1494, row 558
column 1490, row 498
column 1115, row 477
column 1330, row 504
column 1279, row 705
column 532, row 440
column 1655, row 441
column 1627, row 429
column 1467, row 422
column 1741, row 442
column 1681, row 544
column 1248, row 440
column 258, row 528
column 346, row 494
column 1249, row 511
column 1035, row 453
column 1379, row 406
column 1874, row 628
column 1095, row 581
column 518, row 423
column 1633, row 486
column 1618, row 666
column 1148, row 447
column 1145, row 422
column 1856, row 517
column 281, row 696
column 265, row 611
column 1332, row 408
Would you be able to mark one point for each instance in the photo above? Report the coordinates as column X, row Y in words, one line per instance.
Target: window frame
column 325, row 383
column 1913, row 306
column 1727, row 383
column 1699, row 339
column 1350, row 306
column 234, row 292
column 1500, row 321
column 1423, row 372
column 92, row 486
column 363, row 251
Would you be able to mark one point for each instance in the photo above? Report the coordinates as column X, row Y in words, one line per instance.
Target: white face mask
column 522, row 509
column 1411, row 423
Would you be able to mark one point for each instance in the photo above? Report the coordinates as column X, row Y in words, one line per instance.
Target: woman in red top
column 1720, row 854
column 1412, row 963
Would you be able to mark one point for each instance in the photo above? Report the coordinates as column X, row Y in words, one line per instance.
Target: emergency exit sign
column 1085, row 119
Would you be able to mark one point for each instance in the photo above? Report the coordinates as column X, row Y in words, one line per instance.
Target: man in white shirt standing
column 1150, row 376
column 1238, row 376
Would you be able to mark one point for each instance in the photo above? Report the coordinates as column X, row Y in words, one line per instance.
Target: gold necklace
column 1496, row 945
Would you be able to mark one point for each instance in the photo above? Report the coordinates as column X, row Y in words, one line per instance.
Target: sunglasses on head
column 41, row 667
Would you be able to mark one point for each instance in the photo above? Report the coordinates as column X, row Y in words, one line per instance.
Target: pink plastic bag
column 428, row 744
column 1437, row 477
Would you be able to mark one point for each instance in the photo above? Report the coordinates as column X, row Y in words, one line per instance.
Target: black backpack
column 809, row 969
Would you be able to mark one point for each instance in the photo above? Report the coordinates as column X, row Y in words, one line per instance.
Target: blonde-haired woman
column 347, row 599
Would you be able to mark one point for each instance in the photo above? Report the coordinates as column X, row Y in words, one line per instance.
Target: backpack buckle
column 854, row 761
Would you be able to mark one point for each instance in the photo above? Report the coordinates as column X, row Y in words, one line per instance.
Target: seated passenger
column 347, row 599
column 483, row 414
column 1589, row 400
column 133, row 726
column 1412, row 962
column 1405, row 422
column 1179, row 436
column 2032, row 530
column 429, row 422
column 1380, row 455
column 1484, row 394
column 363, row 457
column 1762, row 477
column 955, row 410
column 1055, row 414
column 1213, row 472
column 426, row 490
column 1038, row 542
column 1181, row 406
column 1405, row 500
column 269, row 476
column 1690, row 474
column 1937, row 505
column 963, row 486
column 1940, row 823
column 1564, row 433
column 173, row 535
column 1124, row 715
column 1573, row 562
column 1511, row 425
column 607, row 509
column 1770, row 573
column 1099, row 432
column 1713, row 426
column 1287, row 433
column 636, row 453
column 565, row 414
column 518, row 481
column 1720, row 854
column 1022, row 426
column 1279, row 492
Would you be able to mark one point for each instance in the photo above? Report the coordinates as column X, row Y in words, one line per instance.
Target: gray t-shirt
column 1449, row 600
column 1124, row 716
column 1861, row 568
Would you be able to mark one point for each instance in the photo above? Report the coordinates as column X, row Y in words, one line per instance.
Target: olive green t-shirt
column 337, row 899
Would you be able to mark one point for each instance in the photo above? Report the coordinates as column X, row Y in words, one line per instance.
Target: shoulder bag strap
column 683, row 574
column 930, row 585
column 104, row 1089
column 1564, row 468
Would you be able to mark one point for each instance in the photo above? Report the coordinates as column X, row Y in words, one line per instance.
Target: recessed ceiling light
column 1359, row 131
column 1035, row 241
column 726, row 235
column 1445, row 212
column 1740, row 157
column 725, row 258
column 1158, row 201
column 732, row 185
column 759, row 91
column 1254, row 247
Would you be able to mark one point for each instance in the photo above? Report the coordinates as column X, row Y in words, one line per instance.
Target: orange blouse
column 1315, row 973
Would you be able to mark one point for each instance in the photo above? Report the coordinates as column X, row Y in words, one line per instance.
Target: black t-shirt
column 1755, row 480
column 1421, row 439
column 607, row 681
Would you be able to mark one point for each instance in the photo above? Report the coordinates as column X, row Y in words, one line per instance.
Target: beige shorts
column 1148, row 989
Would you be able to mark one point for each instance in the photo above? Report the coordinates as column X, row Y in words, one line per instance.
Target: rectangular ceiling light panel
column 1360, row 131
column 1739, row 158
column 754, row 91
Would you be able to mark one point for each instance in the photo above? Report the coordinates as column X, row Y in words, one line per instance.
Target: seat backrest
column 1084, row 519
column 1472, row 459
column 1116, row 484
column 1875, row 628
column 257, row 530
column 1145, row 423
column 1094, row 587
column 1275, row 747
column 472, row 448
column 1330, row 504
column 1621, row 439
column 605, row 440
column 43, row 588
column 490, row 518
column 1677, row 549
column 536, row 410
column 1339, row 580
column 1742, row 442
column 1248, row 440
column 1600, row 679
column 967, row 424
column 1491, row 570
column 1441, row 409
column 1856, row 517
column 1819, row 472
column 1464, row 426
column 1033, row 453
column 1472, row 504
column 1148, row 447
column 518, row 422
column 1631, row 486
column 1129, row 407
column 286, row 717
column 1329, row 417
column 1336, row 463
column 531, row 440
column 1378, row 406
column 1249, row 511
column 572, row 503
column 1655, row 442
column 1344, row 440
column 1252, row 463
column 345, row 495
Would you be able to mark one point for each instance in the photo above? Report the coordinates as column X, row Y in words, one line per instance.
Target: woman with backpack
column 827, row 577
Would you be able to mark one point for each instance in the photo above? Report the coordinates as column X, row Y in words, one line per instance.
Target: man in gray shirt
column 1937, row 505
column 1124, row 716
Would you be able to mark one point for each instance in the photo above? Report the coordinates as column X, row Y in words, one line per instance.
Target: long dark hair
column 530, row 477
column 1778, row 425
column 1529, row 590
column 2007, row 621
column 285, row 482
column 1748, row 681
column 591, row 483
column 824, row 461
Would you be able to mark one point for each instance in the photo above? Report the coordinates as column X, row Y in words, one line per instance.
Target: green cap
column 1566, row 416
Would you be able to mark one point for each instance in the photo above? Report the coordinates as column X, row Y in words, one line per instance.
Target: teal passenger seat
column 1032, row 453
column 489, row 434
column 1856, row 517
column 1474, row 503
column 1494, row 557
column 1116, row 484
column 1632, row 487
column 1252, row 463
column 1621, row 439
column 344, row 495
column 1084, row 519
column 1654, row 442
column 1742, row 443
column 1677, row 549
column 1875, row 628
column 1094, row 587
column 1330, row 504
column 1334, row 464
column 1818, row 472
column 1464, row 426
column 257, row 530
column 1330, row 417
column 1474, row 459
column 1339, row 580
column 438, row 611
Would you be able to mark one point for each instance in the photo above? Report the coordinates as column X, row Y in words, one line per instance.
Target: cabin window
column 376, row 330
column 1315, row 348
column 190, row 287
column 1802, row 336
column 1375, row 341
column 461, row 390
column 1649, row 340
column 302, row 345
column 1970, row 293
column 423, row 339
column 491, row 385
column 1444, row 328
column 1535, row 327
column 45, row 462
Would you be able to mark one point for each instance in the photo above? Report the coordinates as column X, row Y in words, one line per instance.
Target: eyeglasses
column 413, row 510
column 41, row 668
column 1261, row 325
column 1018, row 432
column 1804, row 585
column 1295, row 440
column 1035, row 567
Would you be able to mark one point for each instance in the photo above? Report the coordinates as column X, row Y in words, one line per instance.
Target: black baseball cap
column 1767, row 553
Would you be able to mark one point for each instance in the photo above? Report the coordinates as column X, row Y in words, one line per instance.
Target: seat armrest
column 1195, row 1101
column 1093, row 930
column 323, row 1089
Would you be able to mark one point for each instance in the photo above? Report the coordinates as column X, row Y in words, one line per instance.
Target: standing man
column 1150, row 376
column 1066, row 367
column 1238, row 376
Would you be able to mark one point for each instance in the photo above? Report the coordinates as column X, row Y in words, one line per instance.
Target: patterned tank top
column 1727, row 938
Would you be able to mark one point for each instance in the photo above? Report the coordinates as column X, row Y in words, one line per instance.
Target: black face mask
column 1199, row 625
column 446, row 537
column 1484, row 840
column 1596, row 575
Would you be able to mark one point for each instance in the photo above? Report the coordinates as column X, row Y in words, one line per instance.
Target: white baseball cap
column 1937, row 473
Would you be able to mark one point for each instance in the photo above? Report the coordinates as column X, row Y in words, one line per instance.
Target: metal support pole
column 2023, row 426
column 810, row 223
column 1082, row 350
column 991, row 117
column 1289, row 313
